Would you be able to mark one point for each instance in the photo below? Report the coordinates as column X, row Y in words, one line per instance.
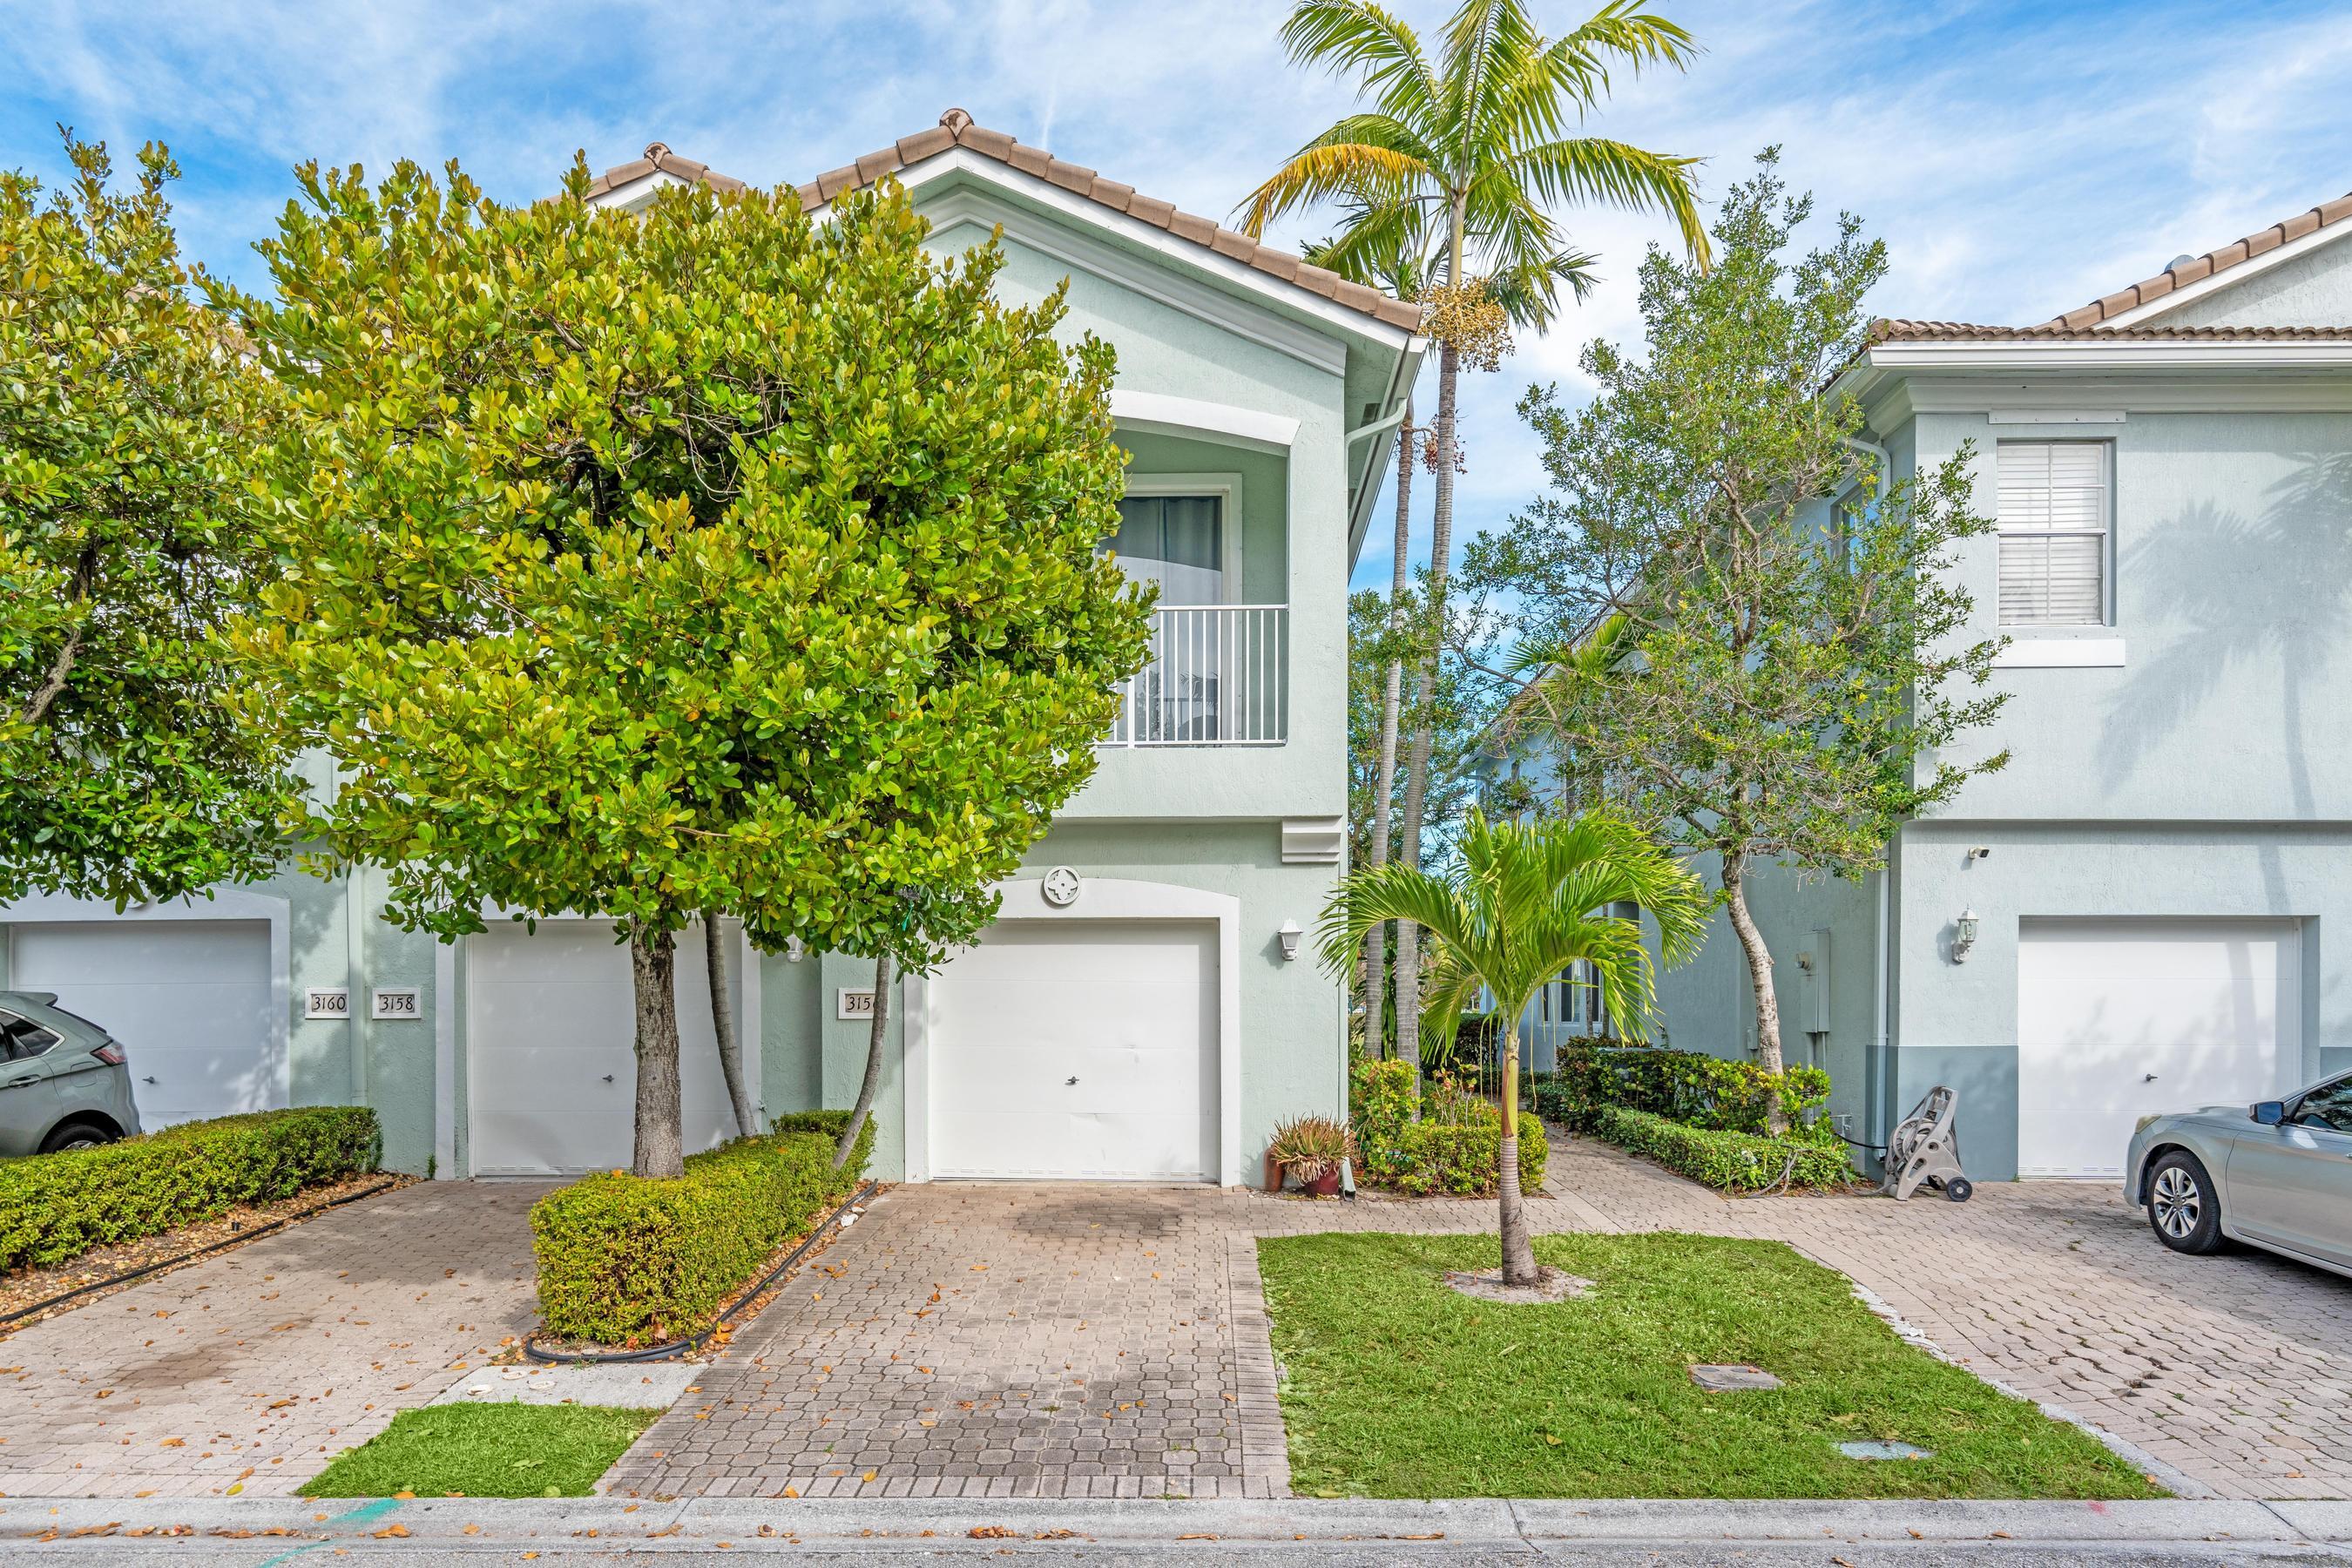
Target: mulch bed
column 247, row 1222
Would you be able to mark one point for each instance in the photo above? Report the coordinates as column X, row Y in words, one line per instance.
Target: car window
column 2328, row 1106
column 25, row 1039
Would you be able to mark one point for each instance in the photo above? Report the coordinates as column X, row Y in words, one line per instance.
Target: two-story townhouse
column 1144, row 1008
column 2145, row 909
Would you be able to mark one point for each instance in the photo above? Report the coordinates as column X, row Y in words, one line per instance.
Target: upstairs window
column 2054, row 509
column 1177, row 541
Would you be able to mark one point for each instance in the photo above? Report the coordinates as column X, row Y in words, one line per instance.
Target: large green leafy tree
column 1518, row 904
column 1451, row 175
column 1745, row 635
column 705, row 560
column 126, row 424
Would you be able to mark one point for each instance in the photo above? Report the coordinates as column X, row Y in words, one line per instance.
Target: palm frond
column 1595, row 168
column 1380, row 48
column 1366, row 159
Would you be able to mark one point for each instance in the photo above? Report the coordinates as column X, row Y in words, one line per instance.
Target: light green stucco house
column 2148, row 909
column 1136, row 1013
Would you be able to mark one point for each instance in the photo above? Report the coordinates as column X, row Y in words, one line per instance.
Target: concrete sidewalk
column 263, row 1530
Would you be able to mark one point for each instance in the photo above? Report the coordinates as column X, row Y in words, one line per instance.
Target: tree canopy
column 127, row 422
column 705, row 559
column 1744, row 634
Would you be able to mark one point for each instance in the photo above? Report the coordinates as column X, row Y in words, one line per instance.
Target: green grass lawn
column 1398, row 1387
column 486, row 1450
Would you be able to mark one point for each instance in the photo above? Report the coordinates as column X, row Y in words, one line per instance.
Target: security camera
column 1980, row 853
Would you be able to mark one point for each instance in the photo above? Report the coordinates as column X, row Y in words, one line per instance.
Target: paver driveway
column 1071, row 1341
column 253, row 1368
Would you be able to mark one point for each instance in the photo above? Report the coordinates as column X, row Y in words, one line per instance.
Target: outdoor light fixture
column 794, row 951
column 1964, row 935
column 1290, row 933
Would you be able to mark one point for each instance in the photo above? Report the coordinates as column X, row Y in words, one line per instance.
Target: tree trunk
column 1376, row 942
column 1518, row 1248
column 1759, row 978
column 865, row 1106
column 722, row 1024
column 1416, row 784
column 660, row 1138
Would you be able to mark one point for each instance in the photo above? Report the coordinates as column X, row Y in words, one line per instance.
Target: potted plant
column 1312, row 1150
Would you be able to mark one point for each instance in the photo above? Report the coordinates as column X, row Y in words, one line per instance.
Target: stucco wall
column 2233, row 599
column 2313, row 289
column 1291, row 1036
column 1166, row 351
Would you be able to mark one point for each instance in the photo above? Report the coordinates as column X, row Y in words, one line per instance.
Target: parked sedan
column 64, row 1081
column 2277, row 1174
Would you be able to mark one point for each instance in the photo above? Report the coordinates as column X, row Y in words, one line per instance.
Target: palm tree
column 1521, row 903
column 1391, row 249
column 1462, row 160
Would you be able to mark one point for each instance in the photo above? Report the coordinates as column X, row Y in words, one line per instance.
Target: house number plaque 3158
column 397, row 1005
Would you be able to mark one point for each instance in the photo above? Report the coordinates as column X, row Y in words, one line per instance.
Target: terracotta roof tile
column 1893, row 331
column 2198, row 268
column 659, row 156
column 956, row 129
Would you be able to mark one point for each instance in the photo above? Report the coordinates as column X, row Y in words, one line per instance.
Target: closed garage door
column 551, row 1031
column 1078, row 1049
column 190, row 1000
column 2120, row 1019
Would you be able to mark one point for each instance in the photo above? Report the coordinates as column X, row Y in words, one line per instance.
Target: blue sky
column 2019, row 159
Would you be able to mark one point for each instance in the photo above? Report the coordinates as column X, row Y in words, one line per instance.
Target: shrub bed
column 1688, row 1087
column 1454, row 1147
column 623, row 1261
column 54, row 1208
column 1727, row 1162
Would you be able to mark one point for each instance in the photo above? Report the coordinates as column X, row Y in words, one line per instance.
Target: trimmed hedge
column 54, row 1208
column 1688, row 1087
column 1454, row 1146
column 623, row 1261
column 1727, row 1162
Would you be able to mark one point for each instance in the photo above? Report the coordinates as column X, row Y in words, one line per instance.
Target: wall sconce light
column 1964, row 935
column 1289, row 935
column 794, row 950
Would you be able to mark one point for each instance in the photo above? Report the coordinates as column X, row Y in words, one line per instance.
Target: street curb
column 483, row 1521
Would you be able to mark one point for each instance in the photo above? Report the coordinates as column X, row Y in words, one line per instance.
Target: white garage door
column 551, row 1028
column 1078, row 1049
column 190, row 1000
column 2120, row 1019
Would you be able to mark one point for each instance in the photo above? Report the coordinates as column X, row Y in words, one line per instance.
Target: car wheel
column 76, row 1135
column 2182, row 1207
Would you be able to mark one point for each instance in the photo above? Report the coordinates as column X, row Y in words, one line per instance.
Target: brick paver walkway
column 1071, row 1341
column 252, row 1369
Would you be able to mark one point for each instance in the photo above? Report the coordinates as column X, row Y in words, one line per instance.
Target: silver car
column 64, row 1081
column 2277, row 1174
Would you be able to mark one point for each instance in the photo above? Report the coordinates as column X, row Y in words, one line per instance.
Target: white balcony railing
column 1219, row 676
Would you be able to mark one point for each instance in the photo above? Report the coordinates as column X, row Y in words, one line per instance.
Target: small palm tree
column 1521, row 903
column 1457, row 165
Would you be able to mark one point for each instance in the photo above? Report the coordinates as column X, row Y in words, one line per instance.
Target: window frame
column 1226, row 489
column 2107, row 533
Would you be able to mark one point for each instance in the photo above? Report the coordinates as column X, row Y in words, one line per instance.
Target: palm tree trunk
column 722, row 1024
column 1416, row 784
column 872, row 1079
column 1518, row 1248
column 660, row 1136
column 1392, row 695
column 1759, row 977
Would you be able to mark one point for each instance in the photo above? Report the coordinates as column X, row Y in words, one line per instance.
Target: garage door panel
column 190, row 1000
column 2120, row 1019
column 549, row 1016
column 1129, row 1010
